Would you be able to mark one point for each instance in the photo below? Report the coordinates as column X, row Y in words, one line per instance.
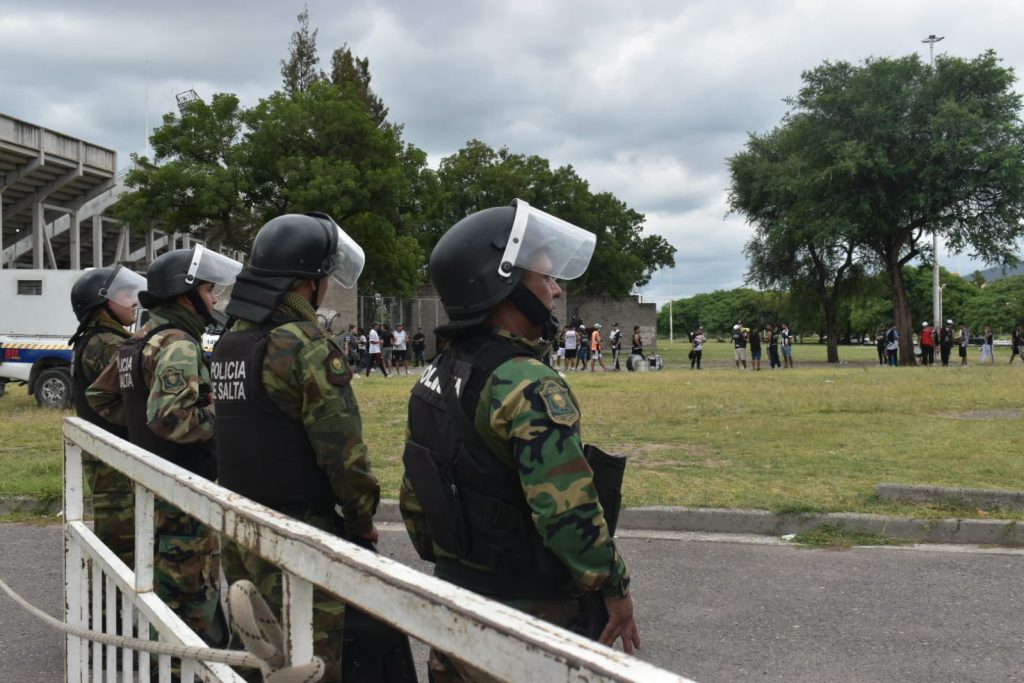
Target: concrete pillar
column 37, row 235
column 76, row 241
column 150, row 249
column 1, row 229
column 97, row 242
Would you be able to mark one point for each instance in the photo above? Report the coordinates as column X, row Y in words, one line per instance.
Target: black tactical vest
column 196, row 458
column 262, row 453
column 474, row 505
column 79, row 383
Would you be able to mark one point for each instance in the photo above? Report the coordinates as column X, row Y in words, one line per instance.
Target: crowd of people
column 943, row 339
column 382, row 348
column 773, row 337
column 576, row 346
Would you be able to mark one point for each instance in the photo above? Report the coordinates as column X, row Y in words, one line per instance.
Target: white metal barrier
column 502, row 641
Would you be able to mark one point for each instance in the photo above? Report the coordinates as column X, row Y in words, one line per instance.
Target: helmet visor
column 123, row 287
column 209, row 266
column 547, row 245
column 346, row 263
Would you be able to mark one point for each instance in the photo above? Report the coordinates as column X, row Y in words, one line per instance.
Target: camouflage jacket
column 102, row 346
column 306, row 375
column 178, row 379
column 530, row 420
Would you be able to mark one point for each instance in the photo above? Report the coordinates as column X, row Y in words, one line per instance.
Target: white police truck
column 36, row 322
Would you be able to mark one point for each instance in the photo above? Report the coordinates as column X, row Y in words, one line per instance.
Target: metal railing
column 497, row 639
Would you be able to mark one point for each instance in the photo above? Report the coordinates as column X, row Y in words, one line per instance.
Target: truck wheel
column 53, row 388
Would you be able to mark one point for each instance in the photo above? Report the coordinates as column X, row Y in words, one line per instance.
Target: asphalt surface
column 711, row 607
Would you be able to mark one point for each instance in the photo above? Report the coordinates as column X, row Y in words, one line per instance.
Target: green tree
column 897, row 150
column 299, row 70
column 352, row 74
column 477, row 177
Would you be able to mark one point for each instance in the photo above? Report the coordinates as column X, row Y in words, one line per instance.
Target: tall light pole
column 936, row 291
column 670, row 334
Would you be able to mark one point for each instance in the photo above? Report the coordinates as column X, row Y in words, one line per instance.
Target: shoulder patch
column 338, row 372
column 558, row 404
column 172, row 381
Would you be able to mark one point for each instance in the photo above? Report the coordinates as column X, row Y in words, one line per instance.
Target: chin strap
column 197, row 302
column 535, row 311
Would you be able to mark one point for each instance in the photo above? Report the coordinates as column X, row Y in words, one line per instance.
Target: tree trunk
column 831, row 328
column 901, row 313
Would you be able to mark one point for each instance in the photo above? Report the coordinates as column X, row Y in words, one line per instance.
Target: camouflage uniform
column 113, row 499
column 185, row 569
column 306, row 375
column 530, row 420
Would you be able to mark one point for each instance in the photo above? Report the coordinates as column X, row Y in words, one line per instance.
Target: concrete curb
column 985, row 499
column 727, row 521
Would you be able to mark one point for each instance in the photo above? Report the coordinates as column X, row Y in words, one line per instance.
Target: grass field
column 815, row 438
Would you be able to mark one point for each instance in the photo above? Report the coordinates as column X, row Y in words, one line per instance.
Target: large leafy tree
column 796, row 246
column 222, row 170
column 478, row 176
column 894, row 151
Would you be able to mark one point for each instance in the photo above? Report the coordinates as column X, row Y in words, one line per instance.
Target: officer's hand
column 620, row 624
column 373, row 536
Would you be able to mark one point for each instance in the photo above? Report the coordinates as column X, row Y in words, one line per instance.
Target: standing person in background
column 350, row 346
column 637, row 343
column 739, row 346
column 787, row 346
column 363, row 347
column 419, row 345
column 583, row 348
column 104, row 301
column 880, row 345
column 892, row 345
column 615, row 339
column 595, row 348
column 927, row 342
column 387, row 346
column 375, row 352
column 987, row 347
column 571, row 344
column 963, row 340
column 162, row 381
column 697, row 340
column 754, row 335
column 1016, row 342
column 946, row 342
column 772, row 340
column 399, row 355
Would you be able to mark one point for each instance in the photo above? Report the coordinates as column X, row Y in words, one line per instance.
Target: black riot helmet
column 480, row 262
column 181, row 271
column 85, row 293
column 290, row 247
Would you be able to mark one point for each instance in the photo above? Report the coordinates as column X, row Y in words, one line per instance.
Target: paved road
column 714, row 608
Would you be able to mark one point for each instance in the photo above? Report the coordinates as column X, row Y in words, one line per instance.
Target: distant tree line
column 324, row 142
column 971, row 300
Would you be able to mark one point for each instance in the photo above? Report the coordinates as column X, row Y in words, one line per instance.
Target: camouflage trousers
column 186, row 571
column 113, row 504
column 446, row 669
column 328, row 611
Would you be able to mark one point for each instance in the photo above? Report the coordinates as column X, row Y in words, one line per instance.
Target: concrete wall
column 344, row 302
column 627, row 311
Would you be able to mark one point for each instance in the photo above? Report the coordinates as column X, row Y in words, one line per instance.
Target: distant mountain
column 993, row 274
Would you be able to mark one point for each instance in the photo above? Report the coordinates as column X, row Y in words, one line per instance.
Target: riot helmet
column 480, row 262
column 290, row 247
column 100, row 286
column 181, row 271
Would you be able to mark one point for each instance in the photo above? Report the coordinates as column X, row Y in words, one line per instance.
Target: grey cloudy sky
column 645, row 99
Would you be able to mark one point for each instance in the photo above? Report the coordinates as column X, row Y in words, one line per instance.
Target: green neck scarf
column 298, row 306
column 182, row 318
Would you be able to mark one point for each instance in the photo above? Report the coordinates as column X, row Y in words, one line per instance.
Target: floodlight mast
column 936, row 291
column 185, row 99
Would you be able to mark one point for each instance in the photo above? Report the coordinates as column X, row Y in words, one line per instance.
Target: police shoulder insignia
column 172, row 380
column 558, row 404
column 338, row 373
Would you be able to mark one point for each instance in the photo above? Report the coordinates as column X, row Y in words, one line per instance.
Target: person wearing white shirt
column 571, row 344
column 375, row 358
column 400, row 349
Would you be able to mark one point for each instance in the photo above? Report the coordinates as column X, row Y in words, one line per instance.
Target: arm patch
column 338, row 372
column 558, row 403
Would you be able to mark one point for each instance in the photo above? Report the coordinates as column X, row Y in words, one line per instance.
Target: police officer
column 288, row 426
column 104, row 301
column 497, row 492
column 163, row 383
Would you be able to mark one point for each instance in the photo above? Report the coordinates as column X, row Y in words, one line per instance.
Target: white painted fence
column 497, row 639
